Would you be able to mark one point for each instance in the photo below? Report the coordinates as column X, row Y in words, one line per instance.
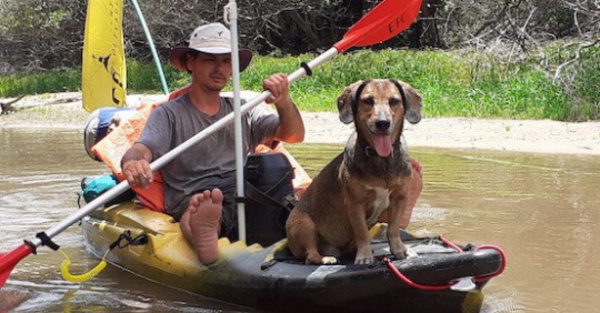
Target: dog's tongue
column 383, row 145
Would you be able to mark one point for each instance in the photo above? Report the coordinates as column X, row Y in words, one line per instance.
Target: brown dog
column 370, row 176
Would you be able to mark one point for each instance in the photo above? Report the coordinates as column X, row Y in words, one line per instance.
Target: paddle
column 387, row 19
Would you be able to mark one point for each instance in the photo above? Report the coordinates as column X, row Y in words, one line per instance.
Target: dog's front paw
column 400, row 255
column 398, row 249
column 318, row 259
column 329, row 260
column 364, row 258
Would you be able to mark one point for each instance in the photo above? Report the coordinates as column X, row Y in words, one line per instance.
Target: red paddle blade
column 10, row 259
column 386, row 20
column 3, row 278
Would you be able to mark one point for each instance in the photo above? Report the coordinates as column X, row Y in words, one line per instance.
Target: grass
column 455, row 83
column 587, row 80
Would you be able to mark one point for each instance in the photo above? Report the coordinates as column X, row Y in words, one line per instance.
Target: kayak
column 151, row 245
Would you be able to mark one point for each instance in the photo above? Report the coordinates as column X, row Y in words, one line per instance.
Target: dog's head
column 378, row 108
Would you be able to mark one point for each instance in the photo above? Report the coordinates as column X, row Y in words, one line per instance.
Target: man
column 199, row 184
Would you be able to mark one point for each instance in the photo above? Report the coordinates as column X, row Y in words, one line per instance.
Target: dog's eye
column 394, row 102
column 369, row 101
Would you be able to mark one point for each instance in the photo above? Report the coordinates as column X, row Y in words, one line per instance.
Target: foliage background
column 523, row 50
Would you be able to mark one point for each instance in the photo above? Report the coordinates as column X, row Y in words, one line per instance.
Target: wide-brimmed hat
column 212, row 38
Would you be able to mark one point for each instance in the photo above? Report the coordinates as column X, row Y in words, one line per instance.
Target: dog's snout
column 382, row 125
column 382, row 121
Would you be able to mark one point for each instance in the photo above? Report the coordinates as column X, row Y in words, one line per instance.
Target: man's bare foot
column 204, row 221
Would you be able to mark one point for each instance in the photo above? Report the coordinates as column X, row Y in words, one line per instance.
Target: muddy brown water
column 542, row 210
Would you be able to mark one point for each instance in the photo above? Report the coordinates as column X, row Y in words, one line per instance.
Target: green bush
column 587, row 104
column 56, row 81
column 455, row 83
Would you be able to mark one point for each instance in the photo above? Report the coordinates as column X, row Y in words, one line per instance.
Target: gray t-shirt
column 211, row 162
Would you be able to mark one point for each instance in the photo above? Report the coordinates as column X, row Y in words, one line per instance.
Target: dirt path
column 538, row 136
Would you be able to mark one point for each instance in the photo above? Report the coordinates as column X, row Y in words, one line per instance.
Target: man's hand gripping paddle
column 386, row 20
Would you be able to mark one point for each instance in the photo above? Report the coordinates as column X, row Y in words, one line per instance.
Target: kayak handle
column 407, row 281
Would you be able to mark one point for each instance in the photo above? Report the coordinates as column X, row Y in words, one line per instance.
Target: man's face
column 211, row 71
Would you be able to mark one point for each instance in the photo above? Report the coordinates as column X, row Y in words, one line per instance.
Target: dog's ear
column 344, row 102
column 412, row 101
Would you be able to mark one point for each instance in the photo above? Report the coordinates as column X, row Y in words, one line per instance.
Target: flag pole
column 161, row 74
column 231, row 17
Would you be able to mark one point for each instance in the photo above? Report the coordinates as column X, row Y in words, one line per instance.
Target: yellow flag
column 104, row 77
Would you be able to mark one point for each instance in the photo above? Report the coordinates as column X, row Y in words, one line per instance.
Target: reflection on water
column 541, row 209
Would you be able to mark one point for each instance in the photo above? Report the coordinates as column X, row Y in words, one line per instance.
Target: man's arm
column 291, row 126
column 135, row 165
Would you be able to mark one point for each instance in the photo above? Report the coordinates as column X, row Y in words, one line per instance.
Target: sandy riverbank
column 538, row 136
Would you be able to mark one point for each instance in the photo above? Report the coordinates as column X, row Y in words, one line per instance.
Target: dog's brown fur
column 371, row 176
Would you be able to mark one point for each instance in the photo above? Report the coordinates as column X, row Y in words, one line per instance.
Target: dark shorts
column 229, row 227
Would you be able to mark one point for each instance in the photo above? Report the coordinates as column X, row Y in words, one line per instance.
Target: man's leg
column 416, row 186
column 200, row 224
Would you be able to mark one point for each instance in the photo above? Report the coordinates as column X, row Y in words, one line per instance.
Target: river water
column 542, row 210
